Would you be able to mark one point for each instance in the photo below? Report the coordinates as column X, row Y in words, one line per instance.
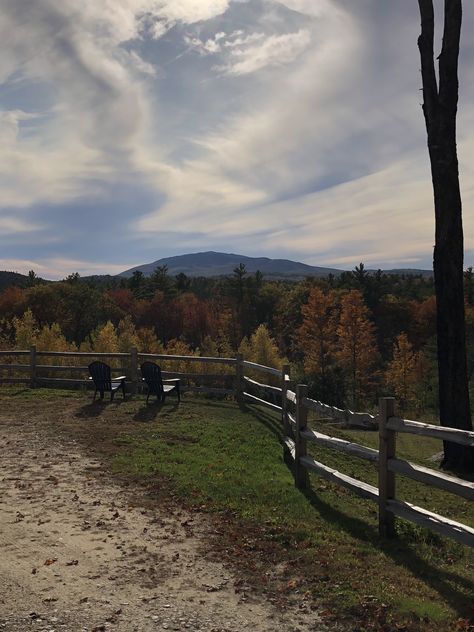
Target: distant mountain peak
column 212, row 264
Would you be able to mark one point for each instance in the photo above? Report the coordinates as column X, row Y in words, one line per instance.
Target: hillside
column 12, row 278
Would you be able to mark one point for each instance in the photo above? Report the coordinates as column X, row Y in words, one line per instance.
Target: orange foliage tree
column 405, row 372
column 317, row 335
column 356, row 348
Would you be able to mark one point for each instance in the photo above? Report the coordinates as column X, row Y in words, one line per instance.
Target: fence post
column 33, row 366
column 387, row 442
column 239, row 374
column 285, row 370
column 301, row 473
column 134, row 369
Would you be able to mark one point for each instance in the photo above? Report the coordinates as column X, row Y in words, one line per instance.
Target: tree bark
column 440, row 109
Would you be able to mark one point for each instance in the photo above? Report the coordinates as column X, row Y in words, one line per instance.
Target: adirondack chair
column 151, row 375
column 100, row 374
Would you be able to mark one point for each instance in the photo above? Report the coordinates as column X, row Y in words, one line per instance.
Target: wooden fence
column 293, row 407
column 297, row 435
column 48, row 368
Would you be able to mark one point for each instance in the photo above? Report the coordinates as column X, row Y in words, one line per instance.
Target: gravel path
column 77, row 554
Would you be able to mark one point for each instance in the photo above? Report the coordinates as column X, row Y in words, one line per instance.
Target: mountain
column 211, row 264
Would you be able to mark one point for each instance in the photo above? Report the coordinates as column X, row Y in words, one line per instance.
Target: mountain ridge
column 213, row 264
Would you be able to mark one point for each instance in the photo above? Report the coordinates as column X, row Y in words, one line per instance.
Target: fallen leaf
column 50, row 561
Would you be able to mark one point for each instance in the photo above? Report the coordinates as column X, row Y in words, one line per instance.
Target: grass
column 215, row 457
column 222, row 458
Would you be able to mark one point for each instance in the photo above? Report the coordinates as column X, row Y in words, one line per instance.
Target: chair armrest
column 171, row 379
column 118, row 379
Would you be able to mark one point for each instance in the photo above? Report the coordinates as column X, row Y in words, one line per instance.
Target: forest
column 351, row 338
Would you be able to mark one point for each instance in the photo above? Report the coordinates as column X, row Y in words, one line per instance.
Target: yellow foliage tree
column 105, row 339
column 26, row 330
column 51, row 338
column 127, row 335
column 261, row 348
column 179, row 348
column 147, row 341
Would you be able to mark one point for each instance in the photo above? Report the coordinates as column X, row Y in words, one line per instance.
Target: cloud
column 59, row 268
column 99, row 119
column 273, row 51
column 12, row 226
column 268, row 126
column 244, row 54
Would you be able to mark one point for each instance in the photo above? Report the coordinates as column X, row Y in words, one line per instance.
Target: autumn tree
column 261, row 348
column 440, row 103
column 317, row 335
column 178, row 348
column 127, row 335
column 403, row 372
column 12, row 302
column 356, row 349
column 195, row 318
column 124, row 299
column 105, row 339
column 147, row 341
column 26, row 330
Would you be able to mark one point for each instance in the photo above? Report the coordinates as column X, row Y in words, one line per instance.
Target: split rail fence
column 293, row 407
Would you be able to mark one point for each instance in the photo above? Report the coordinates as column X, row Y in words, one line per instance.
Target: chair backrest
column 151, row 373
column 100, row 373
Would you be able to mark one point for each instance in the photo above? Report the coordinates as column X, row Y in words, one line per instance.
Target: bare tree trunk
column 440, row 109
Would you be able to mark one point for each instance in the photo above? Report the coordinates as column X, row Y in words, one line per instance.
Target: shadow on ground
column 456, row 590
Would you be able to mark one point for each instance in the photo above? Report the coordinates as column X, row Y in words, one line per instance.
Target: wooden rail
column 385, row 457
column 261, row 367
column 55, row 374
column 296, row 433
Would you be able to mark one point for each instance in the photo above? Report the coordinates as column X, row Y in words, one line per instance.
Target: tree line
column 351, row 337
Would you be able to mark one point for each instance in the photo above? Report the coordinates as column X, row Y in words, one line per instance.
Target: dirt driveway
column 80, row 553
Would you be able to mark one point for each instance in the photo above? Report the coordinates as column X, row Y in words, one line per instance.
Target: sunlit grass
column 221, row 458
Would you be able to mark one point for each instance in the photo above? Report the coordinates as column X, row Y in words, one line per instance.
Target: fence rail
column 296, row 433
column 73, row 374
column 388, row 464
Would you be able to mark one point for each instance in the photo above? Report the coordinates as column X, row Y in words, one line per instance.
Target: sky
column 132, row 130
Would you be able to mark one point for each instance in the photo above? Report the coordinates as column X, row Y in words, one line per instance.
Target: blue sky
column 132, row 130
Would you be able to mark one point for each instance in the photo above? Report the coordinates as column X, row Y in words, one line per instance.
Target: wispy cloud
column 241, row 54
column 275, row 50
column 59, row 268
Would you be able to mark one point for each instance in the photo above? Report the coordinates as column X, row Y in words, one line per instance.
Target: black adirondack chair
column 151, row 374
column 100, row 374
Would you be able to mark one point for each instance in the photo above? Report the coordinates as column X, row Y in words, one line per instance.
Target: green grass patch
column 222, row 458
column 25, row 393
